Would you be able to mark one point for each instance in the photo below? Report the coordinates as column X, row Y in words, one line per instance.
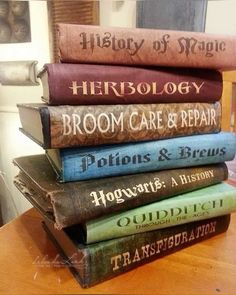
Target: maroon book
column 87, row 84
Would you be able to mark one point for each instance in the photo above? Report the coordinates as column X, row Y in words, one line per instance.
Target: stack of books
column 134, row 165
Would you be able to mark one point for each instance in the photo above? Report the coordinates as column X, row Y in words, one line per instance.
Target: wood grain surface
column 29, row 265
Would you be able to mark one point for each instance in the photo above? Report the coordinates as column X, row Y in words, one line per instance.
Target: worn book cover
column 74, row 164
column 137, row 46
column 71, row 203
column 97, row 262
column 86, row 84
column 70, row 126
column 212, row 201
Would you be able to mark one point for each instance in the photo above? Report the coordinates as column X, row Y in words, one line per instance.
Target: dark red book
column 77, row 84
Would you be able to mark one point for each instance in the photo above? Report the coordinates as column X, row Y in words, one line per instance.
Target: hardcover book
column 136, row 46
column 70, row 126
column 212, row 201
column 74, row 164
column 92, row 264
column 78, row 84
column 71, row 203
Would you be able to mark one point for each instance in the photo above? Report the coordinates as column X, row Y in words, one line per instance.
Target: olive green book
column 94, row 263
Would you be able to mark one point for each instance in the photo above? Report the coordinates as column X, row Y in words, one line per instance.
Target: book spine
column 98, row 262
column 74, row 84
column 120, row 255
column 105, row 196
column 108, row 124
column 104, row 161
column 216, row 200
column 95, row 44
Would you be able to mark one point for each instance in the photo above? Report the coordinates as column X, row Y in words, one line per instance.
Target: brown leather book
column 135, row 46
column 97, row 262
column 71, row 126
column 71, row 203
column 77, row 84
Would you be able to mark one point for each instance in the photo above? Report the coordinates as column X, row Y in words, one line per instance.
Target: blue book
column 73, row 164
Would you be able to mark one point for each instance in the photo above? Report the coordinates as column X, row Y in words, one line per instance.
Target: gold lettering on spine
column 203, row 120
column 185, row 179
column 212, row 227
column 89, row 117
column 126, row 258
column 159, row 120
column 184, row 237
column 213, row 117
column 198, row 88
column 117, row 122
column 131, row 87
column 177, row 239
column 75, row 88
column 170, row 88
column 97, row 85
column 184, row 119
column 127, row 88
column 173, row 182
column 183, row 88
column 154, row 89
column 152, row 118
column 123, row 260
column 111, row 85
column 159, row 245
column 74, row 124
column 136, row 256
column 103, row 123
column 145, row 250
column 100, row 197
column 194, row 117
column 115, row 260
column 190, row 118
column 171, row 242
column 123, row 122
column 144, row 123
column 66, row 124
column 152, row 249
column 131, row 119
column 143, row 88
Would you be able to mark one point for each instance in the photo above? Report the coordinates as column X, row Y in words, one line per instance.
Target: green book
column 201, row 204
column 94, row 263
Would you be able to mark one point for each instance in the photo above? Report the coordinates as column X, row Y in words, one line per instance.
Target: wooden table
column 205, row 268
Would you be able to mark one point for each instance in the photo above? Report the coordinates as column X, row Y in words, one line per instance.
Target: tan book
column 76, row 126
column 135, row 46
